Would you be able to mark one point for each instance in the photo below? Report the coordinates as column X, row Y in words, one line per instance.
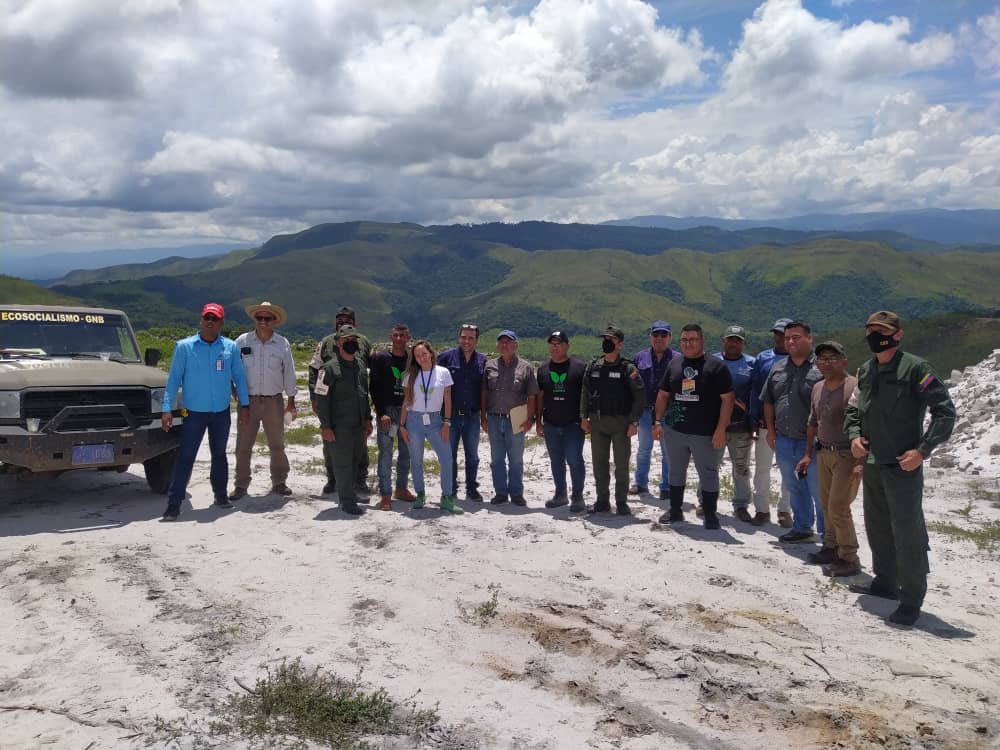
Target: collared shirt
column 762, row 365
column 467, row 376
column 206, row 373
column 508, row 386
column 269, row 367
column 652, row 370
column 827, row 412
column 741, row 369
column 789, row 388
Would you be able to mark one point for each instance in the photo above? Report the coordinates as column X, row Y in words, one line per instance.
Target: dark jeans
column 565, row 446
column 192, row 431
column 467, row 428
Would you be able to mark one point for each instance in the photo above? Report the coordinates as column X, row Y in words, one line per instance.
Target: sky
column 134, row 123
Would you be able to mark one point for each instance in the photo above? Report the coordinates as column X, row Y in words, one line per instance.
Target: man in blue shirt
column 205, row 367
column 739, row 438
column 652, row 364
column 466, row 366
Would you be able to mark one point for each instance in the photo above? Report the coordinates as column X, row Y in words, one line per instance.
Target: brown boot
column 386, row 503
column 744, row 515
column 842, row 569
column 759, row 519
column 784, row 520
column 404, row 495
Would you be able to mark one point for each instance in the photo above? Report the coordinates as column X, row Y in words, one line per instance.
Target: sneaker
column 329, row 488
column 842, row 569
column 826, row 556
column 744, row 515
column 386, row 503
column 352, row 509
column 622, row 509
column 170, row 514
column 419, row 500
column 448, row 505
column 699, row 511
column 498, row 499
column 711, row 522
column 473, row 495
column 222, row 502
column 403, row 494
column 601, row 506
column 281, row 489
column 795, row 537
column 870, row 589
column 238, row 493
column 518, row 500
column 577, row 505
column 557, row 501
column 905, row 614
column 672, row 516
column 637, row 490
column 759, row 519
column 784, row 519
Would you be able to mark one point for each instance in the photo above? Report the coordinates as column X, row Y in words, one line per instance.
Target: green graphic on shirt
column 397, row 386
column 397, row 373
column 557, row 378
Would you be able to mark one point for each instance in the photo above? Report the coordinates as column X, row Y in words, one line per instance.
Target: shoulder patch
column 926, row 381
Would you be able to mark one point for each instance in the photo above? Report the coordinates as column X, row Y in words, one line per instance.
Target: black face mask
column 607, row 346
column 879, row 342
column 350, row 347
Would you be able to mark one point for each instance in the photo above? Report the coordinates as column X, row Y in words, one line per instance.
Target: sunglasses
column 210, row 318
column 264, row 319
column 470, row 327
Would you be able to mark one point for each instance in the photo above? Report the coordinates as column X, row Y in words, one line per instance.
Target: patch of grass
column 483, row 612
column 314, row 466
column 966, row 510
column 307, row 434
column 293, row 701
column 726, row 488
column 987, row 490
column 985, row 536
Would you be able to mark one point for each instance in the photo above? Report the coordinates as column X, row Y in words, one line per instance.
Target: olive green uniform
column 612, row 398
column 341, row 392
column 325, row 351
column 888, row 409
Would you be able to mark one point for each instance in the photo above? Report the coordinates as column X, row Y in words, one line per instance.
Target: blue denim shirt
column 467, row 377
column 652, row 371
column 741, row 369
column 206, row 374
column 761, row 367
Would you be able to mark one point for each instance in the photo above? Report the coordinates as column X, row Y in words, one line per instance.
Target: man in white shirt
column 270, row 371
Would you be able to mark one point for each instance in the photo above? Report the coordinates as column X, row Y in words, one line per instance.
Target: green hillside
column 14, row 291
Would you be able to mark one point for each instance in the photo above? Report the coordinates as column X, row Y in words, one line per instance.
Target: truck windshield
column 66, row 334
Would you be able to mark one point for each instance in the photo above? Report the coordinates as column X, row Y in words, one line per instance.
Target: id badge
column 219, row 364
column 426, row 419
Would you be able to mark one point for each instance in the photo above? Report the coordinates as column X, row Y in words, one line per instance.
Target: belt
column 276, row 395
column 499, row 413
column 831, row 447
column 466, row 412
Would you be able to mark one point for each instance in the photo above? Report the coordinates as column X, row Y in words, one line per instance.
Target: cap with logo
column 884, row 318
column 831, row 346
column 213, row 308
column 660, row 326
column 558, row 336
column 779, row 325
column 738, row 332
column 508, row 333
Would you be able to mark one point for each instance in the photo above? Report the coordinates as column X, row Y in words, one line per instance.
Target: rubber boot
column 419, row 502
column 676, row 512
column 710, row 502
column 448, row 505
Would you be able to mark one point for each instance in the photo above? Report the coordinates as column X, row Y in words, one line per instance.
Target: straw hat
column 280, row 315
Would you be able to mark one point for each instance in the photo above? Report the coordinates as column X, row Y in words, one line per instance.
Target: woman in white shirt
column 428, row 392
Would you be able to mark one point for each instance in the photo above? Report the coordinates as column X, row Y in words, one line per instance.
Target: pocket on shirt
column 274, row 362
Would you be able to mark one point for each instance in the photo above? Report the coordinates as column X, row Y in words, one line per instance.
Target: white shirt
column 268, row 364
column 428, row 389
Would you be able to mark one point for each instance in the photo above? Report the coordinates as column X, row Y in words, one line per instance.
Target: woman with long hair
column 427, row 388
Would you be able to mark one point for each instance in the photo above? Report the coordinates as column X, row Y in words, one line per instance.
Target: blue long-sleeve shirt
column 466, row 376
column 742, row 371
column 206, row 373
column 758, row 376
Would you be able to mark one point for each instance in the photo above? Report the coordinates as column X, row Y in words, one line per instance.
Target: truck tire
column 159, row 471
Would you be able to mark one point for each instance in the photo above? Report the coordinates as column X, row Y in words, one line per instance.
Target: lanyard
column 424, row 385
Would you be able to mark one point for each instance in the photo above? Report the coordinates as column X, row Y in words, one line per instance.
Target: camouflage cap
column 884, row 318
column 346, row 332
column 738, row 332
column 832, row 346
column 612, row 330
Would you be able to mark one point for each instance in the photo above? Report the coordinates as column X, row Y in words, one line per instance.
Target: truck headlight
column 156, row 396
column 10, row 404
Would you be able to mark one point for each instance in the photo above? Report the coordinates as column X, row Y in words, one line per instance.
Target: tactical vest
column 608, row 387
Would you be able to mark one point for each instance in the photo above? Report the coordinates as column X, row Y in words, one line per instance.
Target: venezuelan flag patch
column 926, row 380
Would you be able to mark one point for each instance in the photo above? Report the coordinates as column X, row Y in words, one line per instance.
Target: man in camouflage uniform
column 611, row 402
column 885, row 423
column 325, row 351
column 345, row 417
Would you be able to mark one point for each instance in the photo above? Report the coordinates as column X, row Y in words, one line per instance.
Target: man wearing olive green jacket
column 885, row 423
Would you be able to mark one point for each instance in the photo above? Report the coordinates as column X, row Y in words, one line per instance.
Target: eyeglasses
column 264, row 319
column 828, row 360
column 211, row 318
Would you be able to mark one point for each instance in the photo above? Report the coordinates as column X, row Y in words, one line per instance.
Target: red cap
column 213, row 308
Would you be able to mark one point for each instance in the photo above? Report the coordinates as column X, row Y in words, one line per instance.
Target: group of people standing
column 828, row 431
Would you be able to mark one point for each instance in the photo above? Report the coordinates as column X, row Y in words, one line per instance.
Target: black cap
column 346, row 312
column 559, row 335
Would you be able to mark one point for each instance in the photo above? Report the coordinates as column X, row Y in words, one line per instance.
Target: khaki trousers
column 269, row 412
column 838, row 486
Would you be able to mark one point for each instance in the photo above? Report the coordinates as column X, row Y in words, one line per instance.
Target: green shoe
column 448, row 505
column 419, row 502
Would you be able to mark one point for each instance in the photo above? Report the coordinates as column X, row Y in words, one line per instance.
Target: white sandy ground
column 119, row 631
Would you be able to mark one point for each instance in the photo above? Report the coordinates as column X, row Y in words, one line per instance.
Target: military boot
column 710, row 502
column 676, row 512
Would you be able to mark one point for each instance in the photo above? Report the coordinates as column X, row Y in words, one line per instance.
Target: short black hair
column 799, row 324
column 401, row 327
column 694, row 327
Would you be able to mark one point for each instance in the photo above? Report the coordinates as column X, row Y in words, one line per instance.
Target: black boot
column 710, row 502
column 676, row 512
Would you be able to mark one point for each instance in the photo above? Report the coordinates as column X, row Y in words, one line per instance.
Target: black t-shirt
column 561, row 383
column 695, row 387
column 386, row 378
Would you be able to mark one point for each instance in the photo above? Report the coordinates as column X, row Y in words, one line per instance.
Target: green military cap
column 612, row 330
column 884, row 318
column 832, row 346
column 346, row 332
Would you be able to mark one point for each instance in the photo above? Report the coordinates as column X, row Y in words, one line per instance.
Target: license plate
column 93, row 454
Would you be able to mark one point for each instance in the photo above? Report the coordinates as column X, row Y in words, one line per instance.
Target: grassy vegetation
column 985, row 536
column 293, row 701
column 485, row 611
column 14, row 291
column 306, row 434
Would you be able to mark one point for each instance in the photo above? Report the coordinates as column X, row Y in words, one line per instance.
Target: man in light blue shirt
column 205, row 367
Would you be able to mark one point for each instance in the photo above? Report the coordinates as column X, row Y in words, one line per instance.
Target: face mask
column 350, row 347
column 607, row 346
column 879, row 342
